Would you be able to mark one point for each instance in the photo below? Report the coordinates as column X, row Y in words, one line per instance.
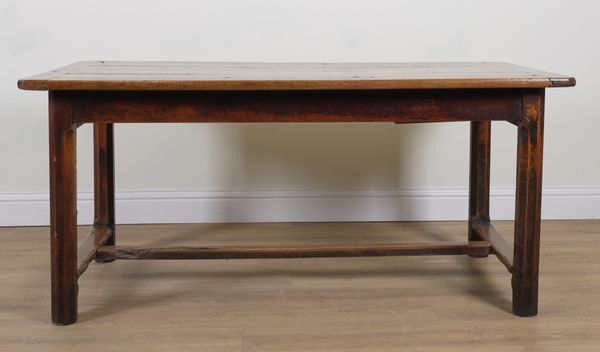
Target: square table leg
column 479, row 176
column 528, row 205
column 104, row 179
column 63, row 210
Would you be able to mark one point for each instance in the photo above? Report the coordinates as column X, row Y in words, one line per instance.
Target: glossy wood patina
column 104, row 93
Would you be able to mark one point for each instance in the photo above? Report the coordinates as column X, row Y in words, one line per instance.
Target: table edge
column 274, row 85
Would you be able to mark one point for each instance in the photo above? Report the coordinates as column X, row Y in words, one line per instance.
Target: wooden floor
column 437, row 303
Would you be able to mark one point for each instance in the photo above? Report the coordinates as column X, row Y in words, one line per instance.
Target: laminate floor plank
column 433, row 303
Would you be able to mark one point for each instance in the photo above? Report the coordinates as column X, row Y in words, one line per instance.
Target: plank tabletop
column 146, row 75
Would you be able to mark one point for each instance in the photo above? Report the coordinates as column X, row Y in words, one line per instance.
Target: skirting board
column 136, row 207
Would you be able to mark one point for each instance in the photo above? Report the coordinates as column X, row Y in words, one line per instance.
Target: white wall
column 560, row 36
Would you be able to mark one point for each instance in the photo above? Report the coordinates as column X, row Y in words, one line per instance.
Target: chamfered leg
column 528, row 205
column 63, row 209
column 104, row 178
column 479, row 175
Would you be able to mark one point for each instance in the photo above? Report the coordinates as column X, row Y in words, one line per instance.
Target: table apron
column 296, row 106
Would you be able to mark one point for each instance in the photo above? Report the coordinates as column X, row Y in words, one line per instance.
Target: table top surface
column 147, row 75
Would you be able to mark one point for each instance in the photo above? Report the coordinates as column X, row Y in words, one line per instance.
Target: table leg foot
column 525, row 298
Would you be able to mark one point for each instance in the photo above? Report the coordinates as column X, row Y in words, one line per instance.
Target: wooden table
column 104, row 93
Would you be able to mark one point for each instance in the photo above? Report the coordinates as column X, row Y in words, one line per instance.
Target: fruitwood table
column 104, row 93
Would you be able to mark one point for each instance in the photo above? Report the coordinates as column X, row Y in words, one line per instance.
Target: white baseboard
column 135, row 207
